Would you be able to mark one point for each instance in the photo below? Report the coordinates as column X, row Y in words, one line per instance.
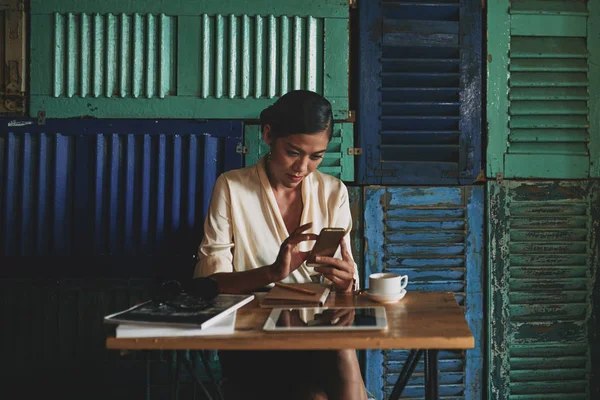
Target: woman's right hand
column 290, row 257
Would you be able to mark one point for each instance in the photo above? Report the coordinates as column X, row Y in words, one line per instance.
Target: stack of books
column 296, row 295
column 185, row 316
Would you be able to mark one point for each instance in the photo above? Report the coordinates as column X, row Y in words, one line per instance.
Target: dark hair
column 299, row 111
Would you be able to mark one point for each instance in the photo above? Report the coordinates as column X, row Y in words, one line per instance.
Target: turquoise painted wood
column 337, row 160
column 435, row 236
column 177, row 59
column 543, row 261
column 543, row 85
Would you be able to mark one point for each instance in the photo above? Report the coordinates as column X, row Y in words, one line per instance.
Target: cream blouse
column 244, row 228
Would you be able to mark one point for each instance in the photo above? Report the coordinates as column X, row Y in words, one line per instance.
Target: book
column 286, row 296
column 185, row 311
column 224, row 327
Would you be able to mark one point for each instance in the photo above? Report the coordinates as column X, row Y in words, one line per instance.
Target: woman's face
column 295, row 156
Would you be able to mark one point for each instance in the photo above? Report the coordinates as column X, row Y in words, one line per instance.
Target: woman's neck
column 278, row 189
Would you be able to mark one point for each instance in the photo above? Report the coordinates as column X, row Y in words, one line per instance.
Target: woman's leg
column 343, row 379
column 351, row 385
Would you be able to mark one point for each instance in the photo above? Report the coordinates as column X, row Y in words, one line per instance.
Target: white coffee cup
column 387, row 283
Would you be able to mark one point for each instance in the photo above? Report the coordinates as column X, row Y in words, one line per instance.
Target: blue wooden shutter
column 420, row 93
column 110, row 188
column 435, row 236
column 184, row 59
column 543, row 263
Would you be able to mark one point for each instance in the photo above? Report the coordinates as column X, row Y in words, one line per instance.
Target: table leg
column 409, row 366
column 431, row 374
column 209, row 371
column 188, row 364
column 147, row 365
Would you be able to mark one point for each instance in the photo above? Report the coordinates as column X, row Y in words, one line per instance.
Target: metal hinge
column 499, row 178
column 242, row 149
column 353, row 3
column 41, row 117
column 352, row 116
column 355, row 151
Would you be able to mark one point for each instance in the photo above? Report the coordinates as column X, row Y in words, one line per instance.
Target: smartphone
column 326, row 245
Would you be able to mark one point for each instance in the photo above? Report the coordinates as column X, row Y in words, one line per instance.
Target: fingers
column 343, row 265
column 297, row 238
column 301, row 228
column 303, row 255
column 339, row 278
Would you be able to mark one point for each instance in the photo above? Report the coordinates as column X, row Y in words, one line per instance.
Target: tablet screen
column 342, row 318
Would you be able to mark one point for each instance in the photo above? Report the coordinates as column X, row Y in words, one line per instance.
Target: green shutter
column 542, row 268
column 541, row 88
column 337, row 161
column 180, row 59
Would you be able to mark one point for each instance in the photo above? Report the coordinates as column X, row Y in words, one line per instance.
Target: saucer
column 392, row 298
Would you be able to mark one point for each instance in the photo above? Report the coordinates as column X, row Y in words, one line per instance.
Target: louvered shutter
column 181, row 59
column 337, row 160
column 542, row 267
column 112, row 187
column 542, row 83
column 13, row 58
column 434, row 235
column 420, row 93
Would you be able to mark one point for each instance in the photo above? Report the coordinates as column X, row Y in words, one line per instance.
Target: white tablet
column 326, row 319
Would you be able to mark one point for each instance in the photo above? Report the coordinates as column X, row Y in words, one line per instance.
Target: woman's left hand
column 340, row 272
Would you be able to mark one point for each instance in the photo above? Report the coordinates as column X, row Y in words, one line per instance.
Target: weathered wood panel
column 435, row 236
column 543, row 243
column 542, row 86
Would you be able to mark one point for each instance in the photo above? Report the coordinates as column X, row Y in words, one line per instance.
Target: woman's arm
column 288, row 259
column 244, row 281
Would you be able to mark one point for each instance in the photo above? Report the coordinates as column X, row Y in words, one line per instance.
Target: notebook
column 185, row 311
column 283, row 297
column 224, row 327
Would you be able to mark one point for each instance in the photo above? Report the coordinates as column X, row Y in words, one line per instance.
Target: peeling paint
column 542, row 267
column 435, row 236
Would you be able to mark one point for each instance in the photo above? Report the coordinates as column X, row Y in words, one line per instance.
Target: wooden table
column 423, row 322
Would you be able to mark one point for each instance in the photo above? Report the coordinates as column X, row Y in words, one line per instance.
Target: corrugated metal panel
column 113, row 55
column 181, row 61
column 110, row 188
column 420, row 111
column 539, row 57
column 337, row 161
column 37, row 193
column 13, row 64
column 542, row 267
column 435, row 236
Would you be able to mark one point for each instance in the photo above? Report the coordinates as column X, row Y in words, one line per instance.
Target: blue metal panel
column 110, row 187
column 435, row 236
column 420, row 99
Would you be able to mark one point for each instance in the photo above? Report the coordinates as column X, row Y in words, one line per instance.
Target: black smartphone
column 326, row 245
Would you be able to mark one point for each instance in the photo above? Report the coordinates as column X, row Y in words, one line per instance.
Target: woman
column 256, row 232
